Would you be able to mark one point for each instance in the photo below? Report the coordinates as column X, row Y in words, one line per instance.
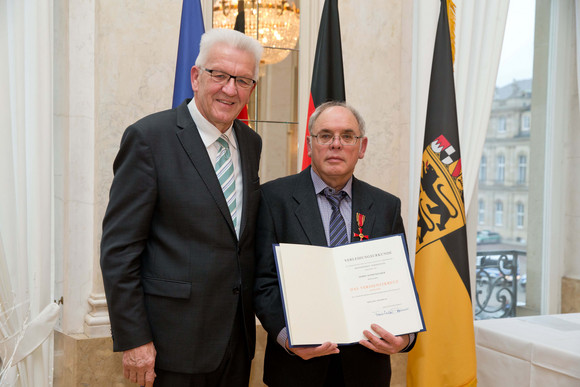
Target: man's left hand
column 387, row 343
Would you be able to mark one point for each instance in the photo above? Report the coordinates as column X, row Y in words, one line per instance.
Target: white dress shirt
column 209, row 135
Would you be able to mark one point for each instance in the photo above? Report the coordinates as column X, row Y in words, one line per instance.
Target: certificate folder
column 334, row 293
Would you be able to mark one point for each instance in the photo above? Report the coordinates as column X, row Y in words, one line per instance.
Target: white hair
column 231, row 38
column 327, row 105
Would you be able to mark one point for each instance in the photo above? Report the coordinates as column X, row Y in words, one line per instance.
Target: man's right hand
column 307, row 353
column 139, row 364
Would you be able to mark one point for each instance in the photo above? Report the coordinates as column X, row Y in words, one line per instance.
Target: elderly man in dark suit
column 177, row 253
column 299, row 209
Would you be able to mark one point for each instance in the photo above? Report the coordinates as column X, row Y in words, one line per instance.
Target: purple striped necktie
column 337, row 228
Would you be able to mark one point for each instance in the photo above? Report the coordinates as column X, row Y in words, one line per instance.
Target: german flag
column 445, row 354
column 327, row 75
column 241, row 26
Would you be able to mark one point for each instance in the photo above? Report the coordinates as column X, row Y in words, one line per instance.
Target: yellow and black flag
column 445, row 354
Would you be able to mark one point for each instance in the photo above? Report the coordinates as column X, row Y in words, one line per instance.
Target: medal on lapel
column 360, row 221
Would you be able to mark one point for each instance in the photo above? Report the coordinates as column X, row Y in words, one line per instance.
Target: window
column 498, row 213
column 522, row 169
column 526, row 120
column 501, row 125
column 481, row 213
column 483, row 169
column 500, row 177
column 520, row 215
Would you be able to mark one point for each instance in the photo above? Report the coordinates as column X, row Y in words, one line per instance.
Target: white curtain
column 479, row 32
column 27, row 311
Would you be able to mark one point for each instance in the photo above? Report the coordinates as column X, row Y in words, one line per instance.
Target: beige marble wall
column 570, row 295
column 376, row 44
column 135, row 53
column 82, row 361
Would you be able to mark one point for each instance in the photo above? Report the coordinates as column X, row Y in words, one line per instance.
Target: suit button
column 236, row 290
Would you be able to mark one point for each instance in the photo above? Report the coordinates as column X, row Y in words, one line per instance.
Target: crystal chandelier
column 276, row 24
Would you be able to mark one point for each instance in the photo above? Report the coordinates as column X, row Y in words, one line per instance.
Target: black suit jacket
column 289, row 213
column 173, row 268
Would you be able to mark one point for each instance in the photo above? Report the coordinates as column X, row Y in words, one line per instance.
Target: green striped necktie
column 224, row 169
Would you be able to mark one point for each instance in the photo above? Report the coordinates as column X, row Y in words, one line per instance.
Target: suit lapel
column 361, row 203
column 243, row 149
column 307, row 210
column 192, row 144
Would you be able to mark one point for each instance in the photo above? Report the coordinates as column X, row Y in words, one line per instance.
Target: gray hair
column 231, row 38
column 360, row 121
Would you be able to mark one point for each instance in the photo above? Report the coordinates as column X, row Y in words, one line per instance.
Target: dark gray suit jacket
column 289, row 213
column 173, row 268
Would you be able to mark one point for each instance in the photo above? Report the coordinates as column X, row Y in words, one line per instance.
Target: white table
column 534, row 351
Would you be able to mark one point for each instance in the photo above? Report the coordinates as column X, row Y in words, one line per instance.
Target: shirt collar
column 320, row 185
column 208, row 132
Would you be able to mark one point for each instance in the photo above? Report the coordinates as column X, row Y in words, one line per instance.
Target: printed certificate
column 334, row 293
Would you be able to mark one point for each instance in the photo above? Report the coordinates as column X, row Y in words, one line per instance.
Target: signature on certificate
column 393, row 310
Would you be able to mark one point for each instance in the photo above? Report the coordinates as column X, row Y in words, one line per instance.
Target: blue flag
column 189, row 36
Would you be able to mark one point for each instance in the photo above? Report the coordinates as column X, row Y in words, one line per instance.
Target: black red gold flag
column 241, row 26
column 444, row 355
column 327, row 74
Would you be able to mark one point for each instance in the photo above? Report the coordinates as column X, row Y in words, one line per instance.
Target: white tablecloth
column 534, row 351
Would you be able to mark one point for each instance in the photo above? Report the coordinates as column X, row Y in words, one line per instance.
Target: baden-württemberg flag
column 445, row 354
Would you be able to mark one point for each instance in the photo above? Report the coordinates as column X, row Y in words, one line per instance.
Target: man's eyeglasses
column 222, row 78
column 344, row 138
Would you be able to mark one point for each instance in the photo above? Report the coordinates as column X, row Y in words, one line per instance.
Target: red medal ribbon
column 360, row 221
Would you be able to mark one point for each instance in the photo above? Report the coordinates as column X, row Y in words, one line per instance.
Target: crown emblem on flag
column 441, row 197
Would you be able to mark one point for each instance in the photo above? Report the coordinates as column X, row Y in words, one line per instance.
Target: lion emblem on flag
column 441, row 206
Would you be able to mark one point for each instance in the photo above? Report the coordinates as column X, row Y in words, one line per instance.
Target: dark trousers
column 334, row 375
column 234, row 370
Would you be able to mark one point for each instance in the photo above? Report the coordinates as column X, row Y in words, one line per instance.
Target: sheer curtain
column 480, row 31
column 479, row 34
column 27, row 311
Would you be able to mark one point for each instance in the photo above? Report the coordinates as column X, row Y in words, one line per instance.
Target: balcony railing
column 498, row 280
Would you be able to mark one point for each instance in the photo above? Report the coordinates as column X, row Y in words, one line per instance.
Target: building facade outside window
column 520, row 215
column 498, row 213
column 522, row 169
column 483, row 169
column 500, row 175
column 526, row 122
column 501, row 125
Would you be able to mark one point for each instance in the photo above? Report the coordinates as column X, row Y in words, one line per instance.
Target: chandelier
column 274, row 23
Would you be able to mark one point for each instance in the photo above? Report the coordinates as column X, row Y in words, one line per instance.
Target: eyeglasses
column 222, row 78
column 346, row 139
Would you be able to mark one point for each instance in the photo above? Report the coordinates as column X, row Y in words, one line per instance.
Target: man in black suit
column 177, row 257
column 295, row 210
